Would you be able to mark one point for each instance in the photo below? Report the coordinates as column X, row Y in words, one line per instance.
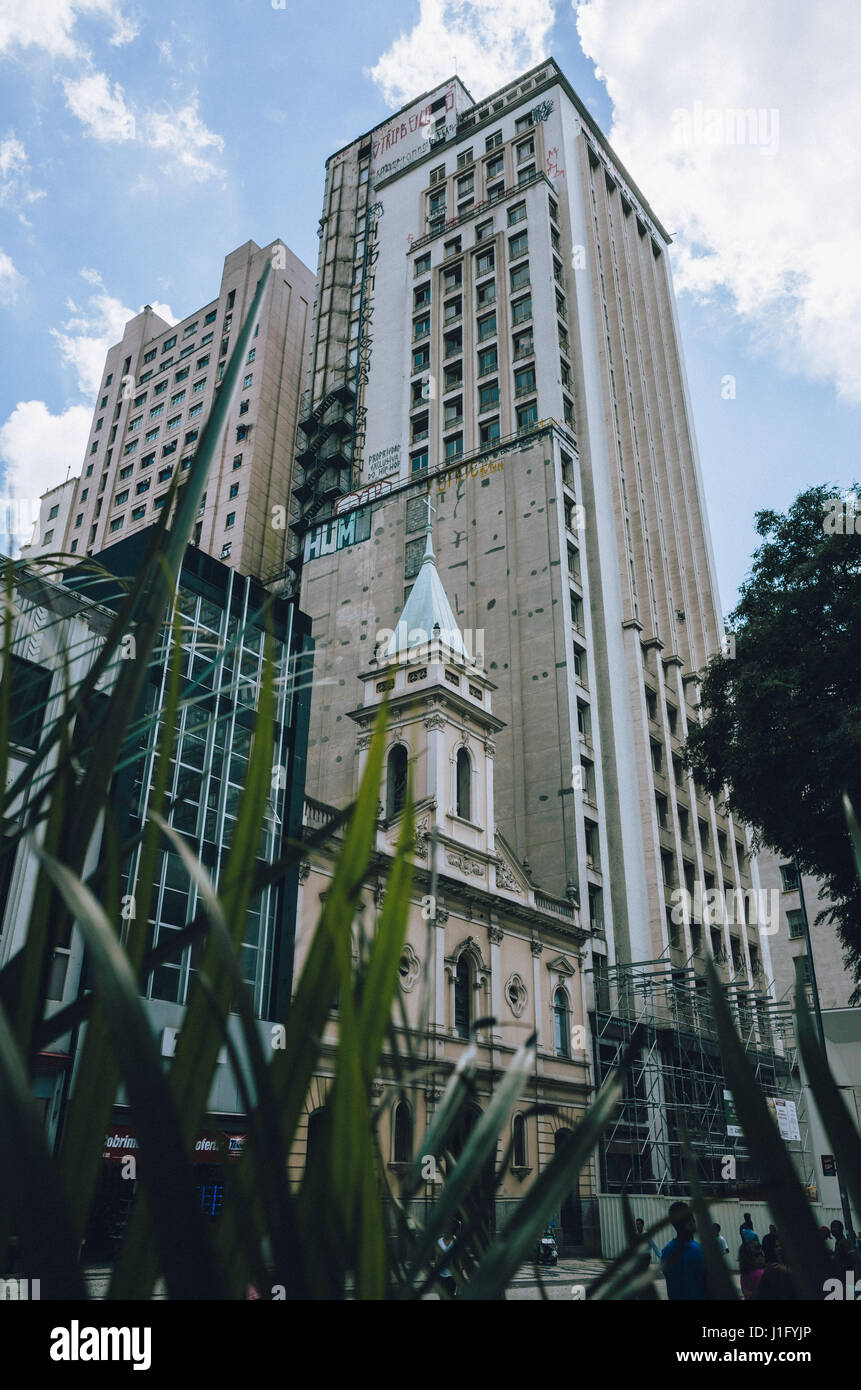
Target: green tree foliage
column 782, row 731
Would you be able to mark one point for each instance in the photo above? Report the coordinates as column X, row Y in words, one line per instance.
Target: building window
column 494, row 167
column 524, row 380
column 493, row 141
column 519, row 278
column 237, row 462
column 230, row 520
column 396, row 780
column 516, row 214
column 489, row 432
column 522, row 311
column 421, row 328
column 464, row 791
column 168, row 344
column 138, row 513
column 422, row 264
column 169, row 448
column 789, row 877
column 462, row 1001
column 148, row 356
column 526, row 175
column 234, row 489
column 518, row 1134
column 486, row 294
column 29, row 688
column 484, row 263
column 116, row 523
column 243, row 408
column 795, row 920
column 225, row 550
column 402, row 1147
column 527, row 415
column 176, row 399
column 487, row 327
column 421, row 296
column 421, row 359
column 487, row 361
column 484, row 230
column 523, row 123
column 489, row 396
column 419, row 461
column 525, row 150
column 454, row 446
column 561, row 1029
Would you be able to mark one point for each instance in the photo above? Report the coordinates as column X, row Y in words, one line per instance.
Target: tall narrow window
column 396, row 780
column 462, row 983
column 519, row 1147
column 560, row 1024
column 403, row 1127
column 464, row 774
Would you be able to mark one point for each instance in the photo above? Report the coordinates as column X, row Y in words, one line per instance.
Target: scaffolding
column 675, row 1092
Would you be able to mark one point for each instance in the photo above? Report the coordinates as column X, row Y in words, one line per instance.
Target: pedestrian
column 652, row 1247
column 750, row 1267
column 719, row 1238
column 769, row 1244
column 845, row 1250
column 682, row 1259
column 446, row 1243
column 747, row 1225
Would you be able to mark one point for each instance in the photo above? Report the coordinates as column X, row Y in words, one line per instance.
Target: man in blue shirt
column 682, row 1259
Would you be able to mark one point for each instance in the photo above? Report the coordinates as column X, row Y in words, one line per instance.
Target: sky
column 139, row 143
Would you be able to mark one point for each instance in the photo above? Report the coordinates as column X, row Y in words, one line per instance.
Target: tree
column 781, row 737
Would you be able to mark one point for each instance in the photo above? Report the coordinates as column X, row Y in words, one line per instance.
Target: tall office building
column 496, row 325
column 157, row 390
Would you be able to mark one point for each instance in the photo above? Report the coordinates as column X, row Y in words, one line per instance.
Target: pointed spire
column 427, row 615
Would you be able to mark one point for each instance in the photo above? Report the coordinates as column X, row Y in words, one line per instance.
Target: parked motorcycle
column 546, row 1250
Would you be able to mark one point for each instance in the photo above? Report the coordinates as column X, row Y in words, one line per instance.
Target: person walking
column 446, row 1243
column 750, row 1267
column 747, row 1226
column 769, row 1245
column 682, row 1259
column 719, row 1238
column 652, row 1248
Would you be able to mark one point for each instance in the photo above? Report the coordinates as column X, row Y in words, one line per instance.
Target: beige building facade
column 157, row 390
column 483, row 942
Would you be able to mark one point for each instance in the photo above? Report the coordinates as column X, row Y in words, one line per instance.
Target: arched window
column 464, row 777
column 462, row 986
column 519, row 1147
column 560, row 1024
column 396, row 780
column 403, row 1128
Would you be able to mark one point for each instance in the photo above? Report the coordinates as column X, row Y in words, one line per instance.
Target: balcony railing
column 479, row 208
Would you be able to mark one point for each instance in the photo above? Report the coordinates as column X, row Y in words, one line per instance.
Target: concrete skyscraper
column 158, row 386
column 496, row 326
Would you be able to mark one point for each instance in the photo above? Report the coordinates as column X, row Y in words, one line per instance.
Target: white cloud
column 85, row 337
column 38, row 448
column 11, row 279
column 488, row 42
column 15, row 187
column 774, row 220
column 182, row 137
column 102, row 112
column 179, row 135
column 48, row 24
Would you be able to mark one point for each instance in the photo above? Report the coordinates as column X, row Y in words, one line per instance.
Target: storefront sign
column 120, row 1141
column 338, row 534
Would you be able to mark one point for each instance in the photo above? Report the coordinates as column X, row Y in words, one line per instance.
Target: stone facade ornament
column 465, row 864
column 505, row 878
column 409, row 969
column 435, row 721
column 363, row 742
column 304, row 870
column 516, row 994
column 496, row 935
column 536, row 947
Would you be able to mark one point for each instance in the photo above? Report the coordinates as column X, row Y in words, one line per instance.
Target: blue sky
column 140, row 143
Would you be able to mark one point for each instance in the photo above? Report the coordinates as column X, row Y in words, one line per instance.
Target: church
column 488, row 957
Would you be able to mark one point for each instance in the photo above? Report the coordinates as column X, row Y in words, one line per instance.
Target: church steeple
column 427, row 614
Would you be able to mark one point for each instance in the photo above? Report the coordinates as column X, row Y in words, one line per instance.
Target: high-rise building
column 496, row 326
column 157, row 390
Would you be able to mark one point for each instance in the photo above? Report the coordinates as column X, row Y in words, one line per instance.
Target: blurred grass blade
column 839, row 1125
column 165, row 1165
column 786, row 1197
column 547, row 1192
column 32, row 1199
